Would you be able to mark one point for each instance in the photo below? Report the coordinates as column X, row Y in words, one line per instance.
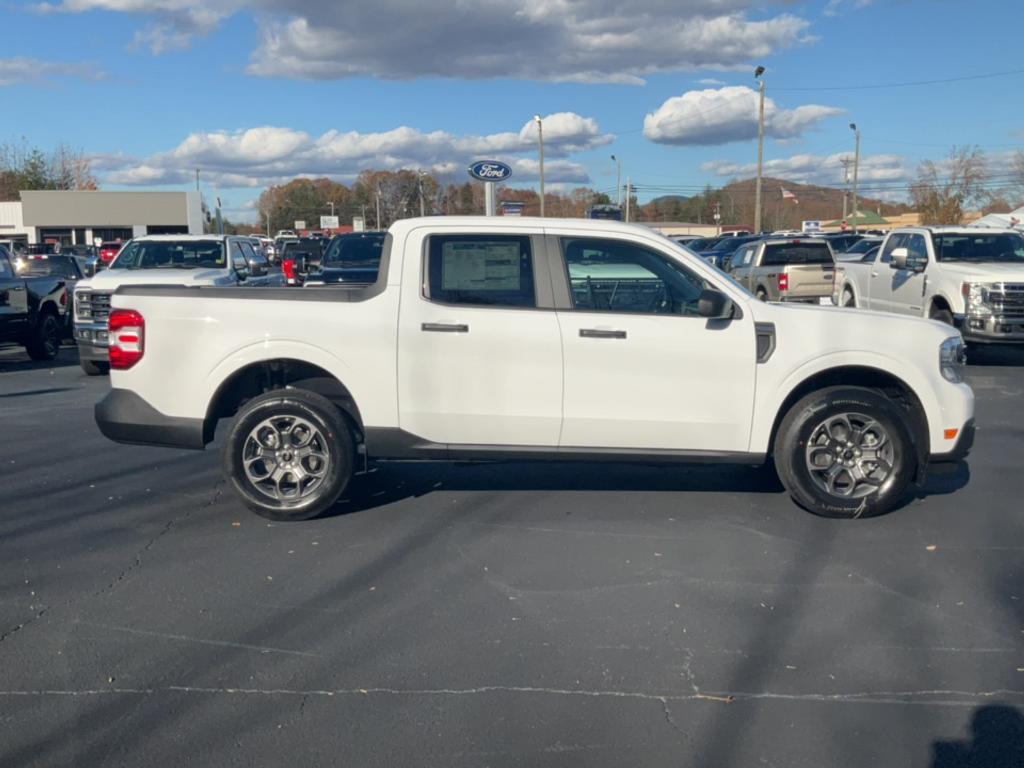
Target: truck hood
column 982, row 273
column 824, row 330
column 111, row 279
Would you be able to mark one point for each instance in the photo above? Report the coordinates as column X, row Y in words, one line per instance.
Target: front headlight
column 952, row 357
column 977, row 296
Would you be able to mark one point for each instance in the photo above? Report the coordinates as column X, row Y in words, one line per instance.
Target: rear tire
column 95, row 367
column 762, row 294
column 44, row 344
column 289, row 455
column 846, row 452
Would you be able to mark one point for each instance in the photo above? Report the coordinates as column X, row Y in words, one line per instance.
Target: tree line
column 27, row 167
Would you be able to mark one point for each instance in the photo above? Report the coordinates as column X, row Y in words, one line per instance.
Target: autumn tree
column 943, row 190
column 26, row 167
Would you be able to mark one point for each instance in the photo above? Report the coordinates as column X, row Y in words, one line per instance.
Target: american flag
column 787, row 195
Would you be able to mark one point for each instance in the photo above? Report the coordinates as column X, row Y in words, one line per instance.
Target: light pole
column 540, row 140
column 378, row 210
column 419, row 183
column 618, row 180
column 856, row 168
column 760, row 151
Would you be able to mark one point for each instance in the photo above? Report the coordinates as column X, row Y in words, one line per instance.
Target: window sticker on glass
column 480, row 266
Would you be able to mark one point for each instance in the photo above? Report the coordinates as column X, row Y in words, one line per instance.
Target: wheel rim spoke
column 286, row 459
column 850, row 455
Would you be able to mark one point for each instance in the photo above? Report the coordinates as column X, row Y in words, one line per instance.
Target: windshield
column 863, row 246
column 170, row 254
column 999, row 247
column 354, row 250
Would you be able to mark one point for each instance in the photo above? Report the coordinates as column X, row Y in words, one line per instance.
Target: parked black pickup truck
column 32, row 310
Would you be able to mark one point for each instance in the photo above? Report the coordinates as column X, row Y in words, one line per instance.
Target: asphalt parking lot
column 506, row 614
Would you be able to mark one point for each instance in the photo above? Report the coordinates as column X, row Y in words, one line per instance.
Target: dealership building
column 83, row 217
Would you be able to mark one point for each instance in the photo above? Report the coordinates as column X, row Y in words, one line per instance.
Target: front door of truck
column 13, row 299
column 643, row 370
column 479, row 349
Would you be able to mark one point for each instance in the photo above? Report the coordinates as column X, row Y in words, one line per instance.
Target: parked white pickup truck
column 970, row 278
column 161, row 259
column 534, row 339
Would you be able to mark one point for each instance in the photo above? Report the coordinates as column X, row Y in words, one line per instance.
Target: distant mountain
column 735, row 201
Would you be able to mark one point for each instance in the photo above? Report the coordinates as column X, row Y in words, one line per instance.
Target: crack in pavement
column 937, row 697
column 136, row 562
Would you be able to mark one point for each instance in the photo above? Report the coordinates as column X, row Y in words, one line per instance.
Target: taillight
column 127, row 336
column 783, row 282
column 64, row 299
column 288, row 267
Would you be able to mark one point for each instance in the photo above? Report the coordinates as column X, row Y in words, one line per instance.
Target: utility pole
column 618, row 181
column 197, row 179
column 856, row 167
column 846, row 183
column 629, row 198
column 718, row 217
column 760, row 151
column 419, row 183
column 268, row 225
column 540, row 140
column 378, row 209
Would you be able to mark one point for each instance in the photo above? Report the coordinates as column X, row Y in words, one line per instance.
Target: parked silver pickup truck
column 786, row 269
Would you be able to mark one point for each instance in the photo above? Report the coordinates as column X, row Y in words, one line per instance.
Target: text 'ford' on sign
column 490, row 170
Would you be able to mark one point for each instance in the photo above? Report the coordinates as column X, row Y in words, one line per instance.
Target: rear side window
column 781, row 254
column 492, row 270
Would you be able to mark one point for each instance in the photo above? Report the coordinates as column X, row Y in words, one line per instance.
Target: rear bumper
column 92, row 352
column 124, row 417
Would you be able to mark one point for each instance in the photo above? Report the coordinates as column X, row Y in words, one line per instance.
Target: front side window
column 482, row 270
column 894, row 242
column 6, row 271
column 917, row 249
column 238, row 260
column 620, row 276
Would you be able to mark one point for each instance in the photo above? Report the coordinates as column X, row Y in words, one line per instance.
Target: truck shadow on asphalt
column 392, row 482
column 14, row 359
column 996, row 741
column 995, row 356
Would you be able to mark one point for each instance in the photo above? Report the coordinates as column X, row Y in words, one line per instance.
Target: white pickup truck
column 962, row 276
column 161, row 259
column 534, row 339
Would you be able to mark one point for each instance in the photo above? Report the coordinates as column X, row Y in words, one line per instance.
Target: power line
column 908, row 84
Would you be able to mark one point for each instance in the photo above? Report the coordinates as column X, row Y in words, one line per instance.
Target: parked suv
column 786, row 269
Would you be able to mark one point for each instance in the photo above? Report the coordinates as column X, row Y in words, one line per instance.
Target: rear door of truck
column 808, row 265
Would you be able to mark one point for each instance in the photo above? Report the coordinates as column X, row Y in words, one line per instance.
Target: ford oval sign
column 490, row 170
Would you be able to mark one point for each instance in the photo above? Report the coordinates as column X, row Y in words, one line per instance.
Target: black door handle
column 445, row 327
column 597, row 333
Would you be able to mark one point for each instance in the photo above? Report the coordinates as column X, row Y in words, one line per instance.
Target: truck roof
column 959, row 230
column 184, row 238
column 506, row 223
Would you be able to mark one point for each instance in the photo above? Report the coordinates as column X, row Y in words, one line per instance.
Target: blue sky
column 155, row 88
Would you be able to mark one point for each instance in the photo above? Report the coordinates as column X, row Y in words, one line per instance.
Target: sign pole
column 490, row 172
column 490, row 205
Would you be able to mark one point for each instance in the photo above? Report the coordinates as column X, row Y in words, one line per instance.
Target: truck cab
column 790, row 269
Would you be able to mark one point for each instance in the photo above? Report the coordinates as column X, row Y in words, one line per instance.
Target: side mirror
column 257, row 269
column 714, row 305
column 899, row 258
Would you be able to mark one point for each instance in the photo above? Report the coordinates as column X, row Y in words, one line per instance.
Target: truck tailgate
column 810, row 280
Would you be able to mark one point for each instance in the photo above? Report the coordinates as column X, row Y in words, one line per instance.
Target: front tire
column 289, row 455
column 44, row 344
column 848, row 300
column 942, row 315
column 95, row 367
column 846, row 452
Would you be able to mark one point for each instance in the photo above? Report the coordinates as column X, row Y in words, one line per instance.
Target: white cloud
column 22, row 69
column 720, row 116
column 554, row 40
column 268, row 154
column 710, row 81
